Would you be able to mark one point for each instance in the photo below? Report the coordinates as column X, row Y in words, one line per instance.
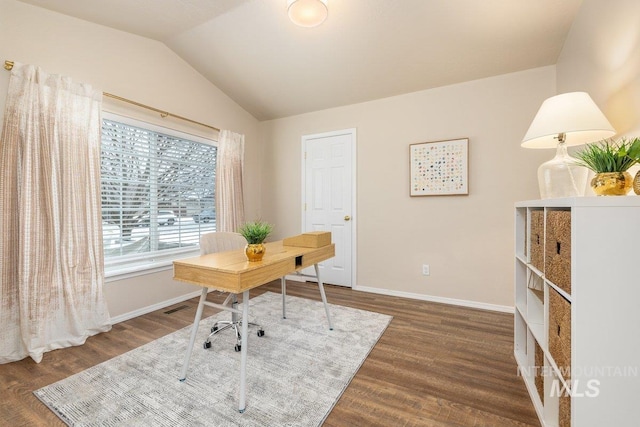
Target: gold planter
column 255, row 251
column 612, row 183
column 636, row 183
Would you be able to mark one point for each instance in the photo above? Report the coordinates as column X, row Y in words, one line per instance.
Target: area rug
column 295, row 373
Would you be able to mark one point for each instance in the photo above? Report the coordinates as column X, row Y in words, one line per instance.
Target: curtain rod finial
column 8, row 65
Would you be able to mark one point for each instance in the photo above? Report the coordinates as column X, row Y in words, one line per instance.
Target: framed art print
column 440, row 168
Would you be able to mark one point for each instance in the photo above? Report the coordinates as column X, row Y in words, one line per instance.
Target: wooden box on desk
column 312, row 239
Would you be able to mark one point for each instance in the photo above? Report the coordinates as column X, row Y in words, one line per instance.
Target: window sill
column 142, row 267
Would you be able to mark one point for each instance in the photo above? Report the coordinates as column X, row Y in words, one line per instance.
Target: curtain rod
column 8, row 65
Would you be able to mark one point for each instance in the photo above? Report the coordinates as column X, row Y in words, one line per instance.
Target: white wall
column 467, row 240
column 602, row 56
column 139, row 69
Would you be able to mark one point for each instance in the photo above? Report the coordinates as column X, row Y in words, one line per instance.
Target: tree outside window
column 155, row 187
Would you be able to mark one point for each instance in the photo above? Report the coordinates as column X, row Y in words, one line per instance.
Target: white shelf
column 537, row 329
column 535, row 399
column 535, row 303
column 594, row 201
column 561, row 291
column 520, row 343
column 521, row 292
column 603, row 311
column 521, row 234
column 535, row 271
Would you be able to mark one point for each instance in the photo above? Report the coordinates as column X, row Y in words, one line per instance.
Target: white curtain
column 229, row 195
column 52, row 265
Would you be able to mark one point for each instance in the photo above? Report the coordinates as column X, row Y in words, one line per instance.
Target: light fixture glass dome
column 307, row 13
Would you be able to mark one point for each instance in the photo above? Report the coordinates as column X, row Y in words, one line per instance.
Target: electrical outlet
column 425, row 269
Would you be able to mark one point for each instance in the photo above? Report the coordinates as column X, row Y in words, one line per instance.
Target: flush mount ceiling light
column 307, row 13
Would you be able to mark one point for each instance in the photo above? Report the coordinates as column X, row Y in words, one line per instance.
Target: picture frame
column 439, row 168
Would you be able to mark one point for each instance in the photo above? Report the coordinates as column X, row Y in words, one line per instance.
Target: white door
column 328, row 198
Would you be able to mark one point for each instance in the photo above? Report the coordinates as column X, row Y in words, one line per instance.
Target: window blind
column 158, row 190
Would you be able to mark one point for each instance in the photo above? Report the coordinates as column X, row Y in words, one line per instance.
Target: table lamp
column 565, row 120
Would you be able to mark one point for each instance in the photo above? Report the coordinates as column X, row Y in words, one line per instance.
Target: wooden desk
column 231, row 272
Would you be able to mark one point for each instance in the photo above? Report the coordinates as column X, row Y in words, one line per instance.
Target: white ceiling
column 365, row 50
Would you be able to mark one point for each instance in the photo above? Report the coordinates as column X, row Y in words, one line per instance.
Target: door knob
column 347, row 218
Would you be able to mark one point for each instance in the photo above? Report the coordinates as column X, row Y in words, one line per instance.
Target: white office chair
column 219, row 242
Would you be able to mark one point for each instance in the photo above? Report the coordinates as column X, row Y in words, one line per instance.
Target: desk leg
column 194, row 331
column 324, row 297
column 243, row 350
column 283, row 282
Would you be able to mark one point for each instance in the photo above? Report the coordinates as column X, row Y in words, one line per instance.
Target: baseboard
column 450, row 301
column 154, row 307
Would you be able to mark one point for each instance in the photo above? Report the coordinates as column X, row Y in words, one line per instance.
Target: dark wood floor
column 436, row 365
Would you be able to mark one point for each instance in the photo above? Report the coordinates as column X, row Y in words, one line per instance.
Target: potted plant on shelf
column 255, row 232
column 610, row 160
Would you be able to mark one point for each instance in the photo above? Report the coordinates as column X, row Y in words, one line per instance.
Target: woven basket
column 539, row 379
column 558, row 249
column 560, row 332
column 536, row 239
column 564, row 417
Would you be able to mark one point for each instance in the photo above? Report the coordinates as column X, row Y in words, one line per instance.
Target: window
column 158, row 193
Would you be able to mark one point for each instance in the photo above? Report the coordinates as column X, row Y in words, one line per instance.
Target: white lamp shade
column 307, row 13
column 574, row 114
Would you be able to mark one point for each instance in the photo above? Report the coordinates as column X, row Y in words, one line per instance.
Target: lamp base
column 561, row 176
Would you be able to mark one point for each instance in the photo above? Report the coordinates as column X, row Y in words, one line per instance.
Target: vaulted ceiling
column 365, row 50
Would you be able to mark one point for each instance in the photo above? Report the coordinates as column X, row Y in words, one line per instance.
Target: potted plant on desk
column 255, row 232
column 610, row 160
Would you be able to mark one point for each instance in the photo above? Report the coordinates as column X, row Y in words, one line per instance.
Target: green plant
column 255, row 231
column 610, row 156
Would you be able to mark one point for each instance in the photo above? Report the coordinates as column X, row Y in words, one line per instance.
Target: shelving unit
column 577, row 299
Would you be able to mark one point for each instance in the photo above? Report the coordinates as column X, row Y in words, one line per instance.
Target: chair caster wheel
column 238, row 347
column 207, row 345
column 214, row 328
column 260, row 333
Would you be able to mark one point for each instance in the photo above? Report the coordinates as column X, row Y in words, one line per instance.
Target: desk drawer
column 318, row 255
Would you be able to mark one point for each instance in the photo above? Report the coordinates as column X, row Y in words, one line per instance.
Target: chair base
column 235, row 323
column 223, row 325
